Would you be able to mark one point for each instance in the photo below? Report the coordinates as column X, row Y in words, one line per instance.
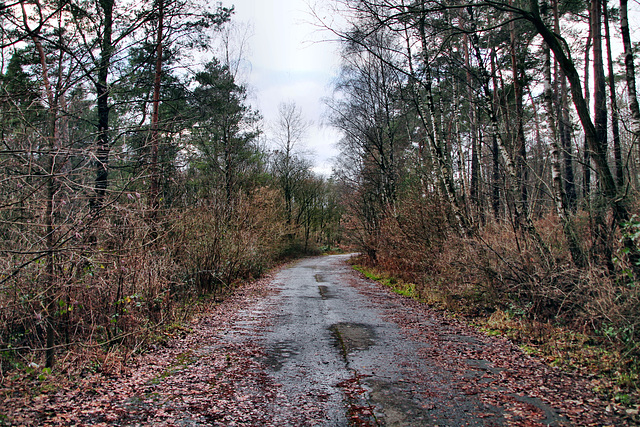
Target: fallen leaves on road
column 203, row 377
column 216, row 376
column 494, row 369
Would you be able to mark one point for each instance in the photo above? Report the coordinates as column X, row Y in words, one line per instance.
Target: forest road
column 338, row 357
column 317, row 344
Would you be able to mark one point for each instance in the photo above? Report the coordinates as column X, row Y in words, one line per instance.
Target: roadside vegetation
column 491, row 154
column 138, row 189
column 568, row 342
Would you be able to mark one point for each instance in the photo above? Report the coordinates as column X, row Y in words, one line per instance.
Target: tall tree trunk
column 586, row 188
column 475, row 160
column 102, row 95
column 564, row 124
column 520, row 140
column 617, row 150
column 567, row 146
column 155, row 132
column 495, row 148
column 556, row 169
column 630, row 73
column 49, row 220
column 599, row 84
column 602, row 243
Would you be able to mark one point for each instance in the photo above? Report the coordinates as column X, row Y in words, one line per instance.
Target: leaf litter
column 216, row 375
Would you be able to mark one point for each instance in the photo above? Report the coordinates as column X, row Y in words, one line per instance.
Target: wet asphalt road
column 329, row 347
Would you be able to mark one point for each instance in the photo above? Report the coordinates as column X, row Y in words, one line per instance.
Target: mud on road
column 317, row 344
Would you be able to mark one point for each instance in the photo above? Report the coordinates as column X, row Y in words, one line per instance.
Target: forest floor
column 318, row 344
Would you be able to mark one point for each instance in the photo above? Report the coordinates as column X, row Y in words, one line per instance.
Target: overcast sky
column 288, row 61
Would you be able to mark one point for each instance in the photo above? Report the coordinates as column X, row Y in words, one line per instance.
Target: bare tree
column 290, row 167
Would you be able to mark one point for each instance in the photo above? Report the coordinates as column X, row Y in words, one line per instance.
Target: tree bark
column 586, row 188
column 630, row 73
column 564, row 125
column 475, row 161
column 520, row 140
column 556, row 170
column 102, row 99
column 615, row 129
column 599, row 84
column 49, row 220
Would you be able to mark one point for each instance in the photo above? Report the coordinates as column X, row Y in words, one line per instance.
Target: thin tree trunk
column 599, row 84
column 492, row 101
column 475, row 161
column 602, row 243
column 49, row 226
column 630, row 73
column 155, row 133
column 495, row 177
column 567, row 147
column 520, row 140
column 556, row 169
column 586, row 188
column 615, row 129
column 564, row 125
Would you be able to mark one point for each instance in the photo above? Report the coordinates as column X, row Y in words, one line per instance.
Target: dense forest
column 135, row 178
column 489, row 162
column 492, row 152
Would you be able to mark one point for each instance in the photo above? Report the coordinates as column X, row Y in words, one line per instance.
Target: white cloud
column 290, row 62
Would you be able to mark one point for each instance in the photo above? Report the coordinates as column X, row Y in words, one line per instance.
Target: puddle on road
column 278, row 353
column 396, row 405
column 324, row 292
column 351, row 337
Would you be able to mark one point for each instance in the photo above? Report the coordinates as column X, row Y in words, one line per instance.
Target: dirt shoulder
column 178, row 383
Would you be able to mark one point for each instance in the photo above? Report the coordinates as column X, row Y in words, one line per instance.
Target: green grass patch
column 398, row 286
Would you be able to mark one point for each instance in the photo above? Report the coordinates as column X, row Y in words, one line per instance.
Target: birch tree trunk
column 556, row 168
column 630, row 73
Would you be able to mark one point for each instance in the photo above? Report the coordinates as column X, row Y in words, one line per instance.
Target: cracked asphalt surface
column 331, row 345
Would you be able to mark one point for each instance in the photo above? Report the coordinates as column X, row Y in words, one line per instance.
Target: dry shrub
column 417, row 245
column 611, row 307
column 217, row 243
column 506, row 270
column 122, row 279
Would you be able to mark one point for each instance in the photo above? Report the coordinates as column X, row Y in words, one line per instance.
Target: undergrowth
column 555, row 344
